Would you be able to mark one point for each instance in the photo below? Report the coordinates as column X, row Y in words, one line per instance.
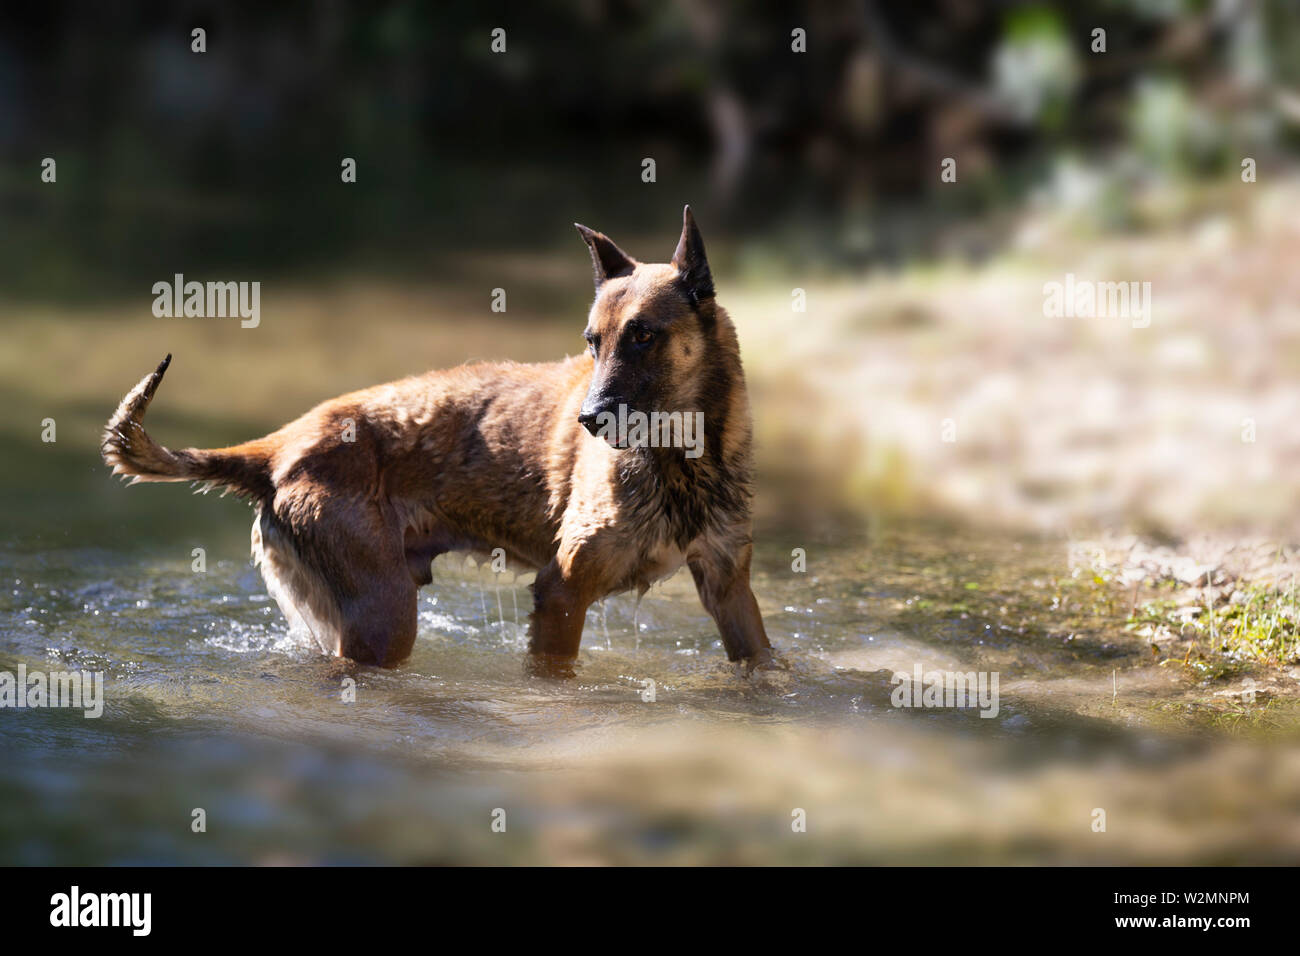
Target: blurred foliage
column 230, row 159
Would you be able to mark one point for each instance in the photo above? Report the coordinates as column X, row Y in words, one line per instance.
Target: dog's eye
column 643, row 336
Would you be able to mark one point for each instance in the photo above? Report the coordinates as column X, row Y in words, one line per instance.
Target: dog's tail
column 127, row 449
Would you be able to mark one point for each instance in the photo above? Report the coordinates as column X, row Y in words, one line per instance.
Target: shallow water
column 211, row 703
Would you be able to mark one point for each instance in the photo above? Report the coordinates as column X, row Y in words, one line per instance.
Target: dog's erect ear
column 607, row 259
column 691, row 263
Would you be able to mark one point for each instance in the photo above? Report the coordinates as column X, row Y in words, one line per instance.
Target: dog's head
column 651, row 330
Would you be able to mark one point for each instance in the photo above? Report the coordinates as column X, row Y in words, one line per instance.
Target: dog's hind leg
column 356, row 548
column 302, row 595
column 379, row 623
column 345, row 577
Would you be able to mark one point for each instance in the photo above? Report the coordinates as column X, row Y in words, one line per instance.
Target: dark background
column 232, row 156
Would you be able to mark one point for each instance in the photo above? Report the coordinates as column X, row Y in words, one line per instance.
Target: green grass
column 1264, row 625
column 1231, row 717
column 1261, row 624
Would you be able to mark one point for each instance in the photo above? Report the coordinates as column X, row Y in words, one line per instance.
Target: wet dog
column 604, row 472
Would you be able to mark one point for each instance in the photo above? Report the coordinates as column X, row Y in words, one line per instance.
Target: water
column 212, row 704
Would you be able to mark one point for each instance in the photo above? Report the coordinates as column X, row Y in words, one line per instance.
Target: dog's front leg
column 560, row 603
column 723, row 585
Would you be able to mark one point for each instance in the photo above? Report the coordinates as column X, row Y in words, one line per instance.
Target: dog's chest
column 660, row 562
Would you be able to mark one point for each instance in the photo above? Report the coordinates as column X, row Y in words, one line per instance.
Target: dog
column 356, row 498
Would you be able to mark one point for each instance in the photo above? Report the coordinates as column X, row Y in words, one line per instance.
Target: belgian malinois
column 357, row 497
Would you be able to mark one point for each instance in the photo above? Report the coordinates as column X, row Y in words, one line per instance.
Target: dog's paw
column 765, row 660
column 551, row 667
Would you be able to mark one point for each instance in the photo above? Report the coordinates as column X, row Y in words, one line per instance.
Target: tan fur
column 492, row 456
